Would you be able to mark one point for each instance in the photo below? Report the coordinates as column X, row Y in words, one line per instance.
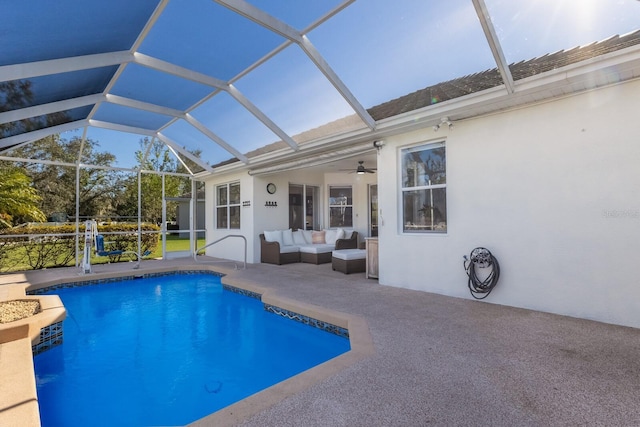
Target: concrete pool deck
column 432, row 360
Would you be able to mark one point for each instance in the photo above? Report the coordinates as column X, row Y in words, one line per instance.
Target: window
column 305, row 215
column 340, row 207
column 424, row 189
column 228, row 206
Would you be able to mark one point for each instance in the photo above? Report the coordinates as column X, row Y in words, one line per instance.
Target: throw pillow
column 317, row 237
column 341, row 234
column 298, row 238
column 287, row 237
column 273, row 236
column 330, row 236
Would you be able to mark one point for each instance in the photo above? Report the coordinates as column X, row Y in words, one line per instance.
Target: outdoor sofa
column 315, row 247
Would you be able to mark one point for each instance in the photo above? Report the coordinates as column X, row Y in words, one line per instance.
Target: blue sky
column 380, row 49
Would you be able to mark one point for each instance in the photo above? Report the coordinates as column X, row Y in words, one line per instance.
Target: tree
column 56, row 184
column 18, row 199
column 17, row 94
column 160, row 159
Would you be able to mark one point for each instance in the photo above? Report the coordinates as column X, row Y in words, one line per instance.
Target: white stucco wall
column 272, row 218
column 553, row 190
column 231, row 248
column 258, row 217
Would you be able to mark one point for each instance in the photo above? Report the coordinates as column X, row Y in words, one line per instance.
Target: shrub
column 55, row 245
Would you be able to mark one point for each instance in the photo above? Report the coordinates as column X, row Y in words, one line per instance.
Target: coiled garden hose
column 481, row 258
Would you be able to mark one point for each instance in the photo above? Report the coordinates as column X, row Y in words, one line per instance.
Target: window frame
column 228, row 207
column 420, row 187
column 340, row 206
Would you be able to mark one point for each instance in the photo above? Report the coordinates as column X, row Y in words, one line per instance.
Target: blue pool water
column 167, row 351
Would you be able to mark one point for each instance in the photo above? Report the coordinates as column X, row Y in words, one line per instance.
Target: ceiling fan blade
column 359, row 169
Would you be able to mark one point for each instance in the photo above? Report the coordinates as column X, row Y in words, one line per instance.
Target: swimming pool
column 167, row 351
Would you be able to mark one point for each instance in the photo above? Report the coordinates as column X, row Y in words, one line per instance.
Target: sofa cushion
column 289, row 249
column 349, row 254
column 331, row 236
column 287, row 237
column 308, row 236
column 298, row 238
column 273, row 236
column 317, row 237
column 317, row 248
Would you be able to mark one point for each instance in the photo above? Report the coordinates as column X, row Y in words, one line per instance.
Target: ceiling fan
column 361, row 170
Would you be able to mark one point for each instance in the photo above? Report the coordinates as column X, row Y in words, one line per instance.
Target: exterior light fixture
column 443, row 121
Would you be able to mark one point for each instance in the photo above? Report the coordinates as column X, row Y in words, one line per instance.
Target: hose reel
column 481, row 282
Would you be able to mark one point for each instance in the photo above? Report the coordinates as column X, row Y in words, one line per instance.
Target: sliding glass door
column 304, row 207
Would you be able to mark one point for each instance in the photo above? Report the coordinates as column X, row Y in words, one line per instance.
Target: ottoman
column 316, row 254
column 349, row 261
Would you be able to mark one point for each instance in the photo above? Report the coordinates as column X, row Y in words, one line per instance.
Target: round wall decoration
column 271, row 188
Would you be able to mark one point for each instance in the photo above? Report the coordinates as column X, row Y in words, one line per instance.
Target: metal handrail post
column 195, row 253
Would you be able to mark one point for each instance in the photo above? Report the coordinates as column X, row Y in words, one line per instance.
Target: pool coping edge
column 362, row 347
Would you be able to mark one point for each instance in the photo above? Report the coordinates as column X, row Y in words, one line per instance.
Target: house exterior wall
column 231, row 248
column 258, row 217
column 552, row 190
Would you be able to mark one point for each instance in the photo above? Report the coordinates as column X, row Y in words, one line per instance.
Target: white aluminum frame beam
column 238, row 96
column 64, row 65
column 213, row 82
column 179, row 159
column 149, row 25
column 145, row 106
column 52, row 107
column 315, row 160
column 176, row 70
column 65, row 164
column 279, row 27
column 41, row 133
column 121, row 128
column 143, row 34
column 215, row 138
column 288, row 42
column 494, row 44
column 170, row 143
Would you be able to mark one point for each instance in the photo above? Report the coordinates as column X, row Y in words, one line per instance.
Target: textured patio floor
column 445, row 361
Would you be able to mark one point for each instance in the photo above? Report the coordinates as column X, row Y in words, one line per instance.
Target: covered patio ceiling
column 246, row 84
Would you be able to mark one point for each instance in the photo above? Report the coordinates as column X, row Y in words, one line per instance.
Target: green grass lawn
column 174, row 243
column 14, row 259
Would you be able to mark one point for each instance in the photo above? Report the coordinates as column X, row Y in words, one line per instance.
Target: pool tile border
column 90, row 282
column 48, row 343
column 327, row 327
column 241, row 291
column 50, row 336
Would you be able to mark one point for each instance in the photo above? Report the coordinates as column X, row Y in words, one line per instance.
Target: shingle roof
column 466, row 85
column 491, row 78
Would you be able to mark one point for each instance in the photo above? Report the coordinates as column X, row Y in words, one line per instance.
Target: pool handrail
column 244, row 267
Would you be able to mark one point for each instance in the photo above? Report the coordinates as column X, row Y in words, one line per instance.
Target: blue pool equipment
column 92, row 238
